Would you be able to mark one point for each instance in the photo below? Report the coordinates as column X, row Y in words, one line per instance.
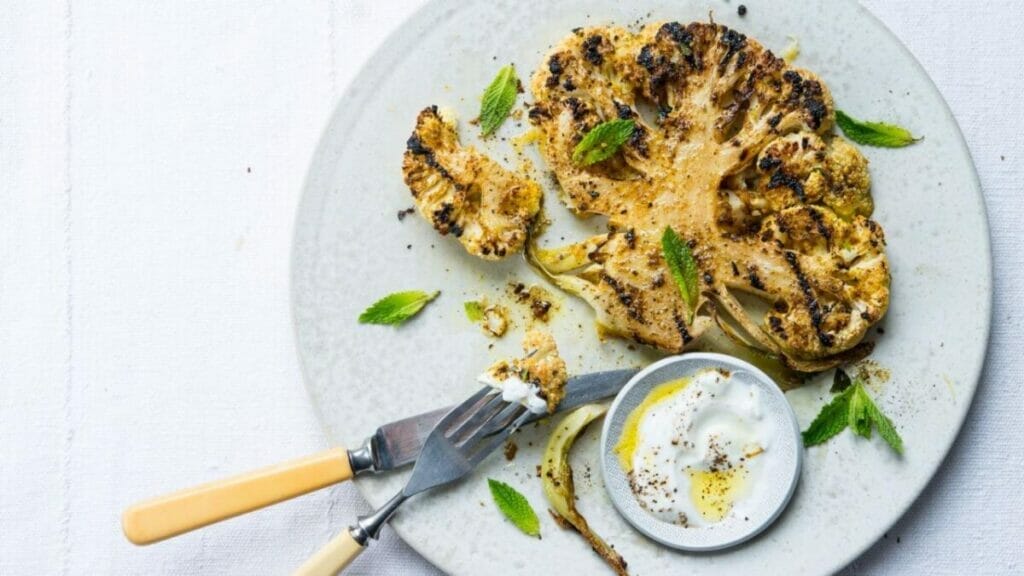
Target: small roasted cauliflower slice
column 464, row 193
column 537, row 380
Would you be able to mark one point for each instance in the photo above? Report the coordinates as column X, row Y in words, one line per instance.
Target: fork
column 459, row 441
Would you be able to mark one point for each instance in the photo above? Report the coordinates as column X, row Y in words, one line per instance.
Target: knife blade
column 398, row 443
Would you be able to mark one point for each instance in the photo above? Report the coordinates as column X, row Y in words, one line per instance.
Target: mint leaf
column 602, row 141
column 840, row 382
column 874, row 133
column 683, row 267
column 858, row 418
column 853, row 408
column 396, row 308
column 885, row 428
column 832, row 419
column 498, row 99
column 474, row 311
column 515, row 507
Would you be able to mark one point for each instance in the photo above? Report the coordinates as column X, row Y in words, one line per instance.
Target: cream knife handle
column 333, row 557
column 166, row 516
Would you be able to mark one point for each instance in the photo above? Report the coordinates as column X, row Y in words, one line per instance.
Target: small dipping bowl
column 760, row 510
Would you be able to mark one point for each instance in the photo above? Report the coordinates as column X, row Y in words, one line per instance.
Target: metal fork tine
column 496, row 423
column 444, row 459
column 481, row 415
column 463, row 409
column 489, row 444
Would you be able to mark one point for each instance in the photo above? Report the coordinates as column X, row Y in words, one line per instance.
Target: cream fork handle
column 333, row 557
column 173, row 514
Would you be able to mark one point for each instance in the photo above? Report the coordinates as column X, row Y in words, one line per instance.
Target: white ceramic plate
column 350, row 249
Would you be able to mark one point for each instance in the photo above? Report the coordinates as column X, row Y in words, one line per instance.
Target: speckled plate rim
column 398, row 41
column 633, row 393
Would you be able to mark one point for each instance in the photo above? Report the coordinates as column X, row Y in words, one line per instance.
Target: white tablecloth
column 151, row 158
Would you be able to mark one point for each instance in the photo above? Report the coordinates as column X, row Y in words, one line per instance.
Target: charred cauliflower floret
column 537, row 379
column 466, row 194
column 733, row 149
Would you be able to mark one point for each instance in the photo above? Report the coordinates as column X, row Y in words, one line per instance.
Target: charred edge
column 817, row 112
column 592, row 50
column 442, row 219
column 768, row 163
column 733, row 42
column 810, row 300
column 624, row 297
column 638, row 140
column 781, row 179
column 813, row 102
column 555, row 68
column 415, row 146
column 755, row 280
column 684, row 39
column 578, row 108
column 537, row 113
column 646, row 58
column 568, row 84
column 776, row 325
column 660, row 68
column 819, row 223
column 741, row 60
column 795, row 80
column 677, row 33
column 808, row 95
column 683, row 332
column 773, row 122
column 735, row 269
column 623, row 111
column 540, row 308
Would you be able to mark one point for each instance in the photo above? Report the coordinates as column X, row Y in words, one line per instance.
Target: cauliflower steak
column 466, row 194
column 733, row 149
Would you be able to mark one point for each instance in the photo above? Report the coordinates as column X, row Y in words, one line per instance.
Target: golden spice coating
column 464, row 193
column 732, row 149
column 544, row 367
column 540, row 366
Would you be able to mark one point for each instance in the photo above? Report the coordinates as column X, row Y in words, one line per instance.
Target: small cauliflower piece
column 495, row 321
column 464, row 193
column 537, row 380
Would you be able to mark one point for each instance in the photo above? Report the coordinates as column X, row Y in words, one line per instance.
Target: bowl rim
column 644, row 522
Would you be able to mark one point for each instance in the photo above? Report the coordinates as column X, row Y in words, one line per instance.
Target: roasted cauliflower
column 466, row 194
column 739, row 159
column 732, row 148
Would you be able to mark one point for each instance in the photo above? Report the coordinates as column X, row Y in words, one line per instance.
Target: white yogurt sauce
column 695, row 448
column 514, row 389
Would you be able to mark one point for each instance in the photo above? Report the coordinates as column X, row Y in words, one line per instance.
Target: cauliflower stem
column 556, row 476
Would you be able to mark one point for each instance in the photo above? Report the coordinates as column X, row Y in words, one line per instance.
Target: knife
column 393, row 445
